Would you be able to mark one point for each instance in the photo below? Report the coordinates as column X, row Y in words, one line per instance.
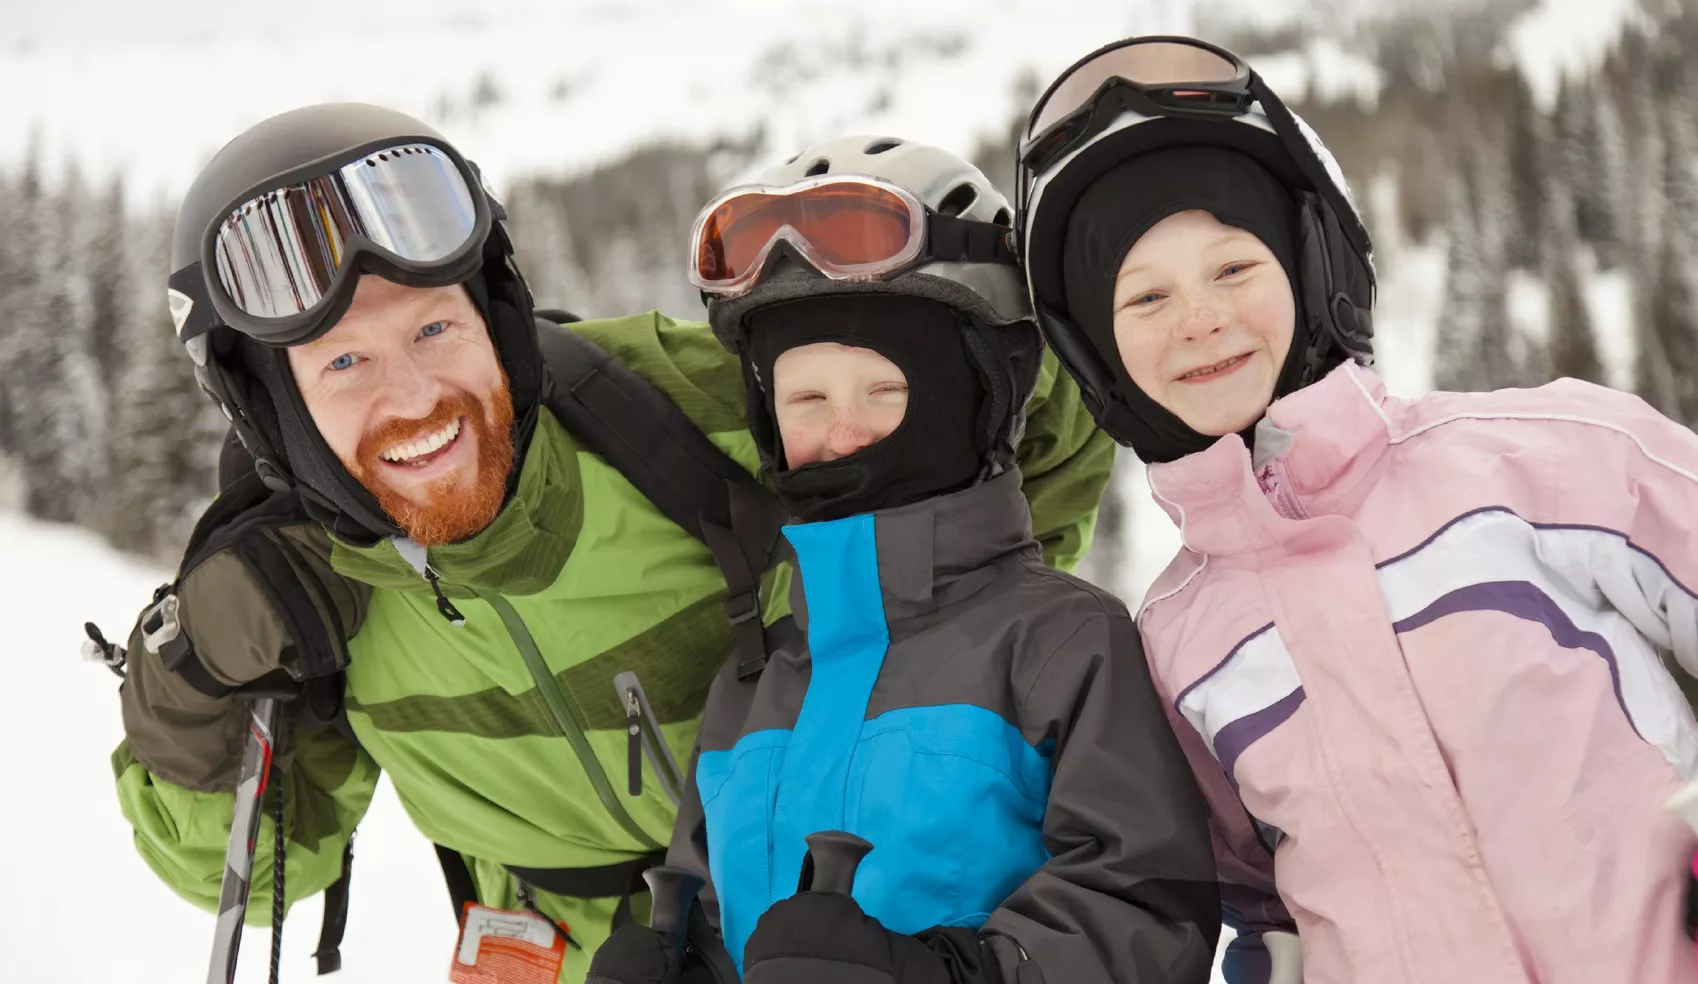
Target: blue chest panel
column 951, row 796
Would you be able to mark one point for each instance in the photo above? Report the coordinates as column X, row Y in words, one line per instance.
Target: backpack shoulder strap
column 642, row 433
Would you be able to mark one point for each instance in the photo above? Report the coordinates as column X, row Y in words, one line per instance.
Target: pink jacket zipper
column 1276, row 486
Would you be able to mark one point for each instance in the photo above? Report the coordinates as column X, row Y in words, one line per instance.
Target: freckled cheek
column 801, row 438
column 1142, row 346
column 1271, row 315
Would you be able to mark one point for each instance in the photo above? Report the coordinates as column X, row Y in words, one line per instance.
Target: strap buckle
column 160, row 624
column 742, row 606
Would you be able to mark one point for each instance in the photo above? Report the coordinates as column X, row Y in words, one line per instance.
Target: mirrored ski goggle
column 848, row 227
column 276, row 257
column 1155, row 76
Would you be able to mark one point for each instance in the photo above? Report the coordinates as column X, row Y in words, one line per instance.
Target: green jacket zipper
column 644, row 738
column 564, row 718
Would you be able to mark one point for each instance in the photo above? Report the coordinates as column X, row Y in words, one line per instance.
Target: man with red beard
column 421, row 416
column 521, row 639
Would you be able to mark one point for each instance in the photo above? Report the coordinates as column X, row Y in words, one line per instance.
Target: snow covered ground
column 79, row 906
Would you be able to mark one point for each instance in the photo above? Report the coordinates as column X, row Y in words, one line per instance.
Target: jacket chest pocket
column 953, row 800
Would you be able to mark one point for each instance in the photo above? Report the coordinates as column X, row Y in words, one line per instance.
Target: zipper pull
column 634, row 745
column 443, row 605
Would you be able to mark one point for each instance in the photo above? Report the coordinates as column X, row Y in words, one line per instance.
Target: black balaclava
column 1126, row 202
column 331, row 494
column 939, row 447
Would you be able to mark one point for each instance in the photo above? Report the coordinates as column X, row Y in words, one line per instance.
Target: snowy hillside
column 80, row 905
column 539, row 86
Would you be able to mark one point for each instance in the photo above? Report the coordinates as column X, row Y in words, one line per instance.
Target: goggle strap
column 952, row 238
column 199, row 318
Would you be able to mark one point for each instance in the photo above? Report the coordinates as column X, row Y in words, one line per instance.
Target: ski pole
column 244, row 828
column 672, row 891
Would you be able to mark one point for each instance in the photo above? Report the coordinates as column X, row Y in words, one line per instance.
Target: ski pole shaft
column 244, row 828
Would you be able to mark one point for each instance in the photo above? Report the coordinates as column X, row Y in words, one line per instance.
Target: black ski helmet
column 246, row 372
column 1336, row 280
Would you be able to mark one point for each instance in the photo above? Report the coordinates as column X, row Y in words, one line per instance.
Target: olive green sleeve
column 1066, row 460
column 177, row 768
column 183, row 834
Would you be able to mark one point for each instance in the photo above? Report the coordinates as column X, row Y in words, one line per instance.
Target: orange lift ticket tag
column 501, row 947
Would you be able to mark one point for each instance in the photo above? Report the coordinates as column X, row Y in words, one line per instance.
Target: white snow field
column 77, row 905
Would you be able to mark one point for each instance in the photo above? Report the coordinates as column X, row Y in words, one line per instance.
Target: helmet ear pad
column 1337, row 291
column 1009, row 359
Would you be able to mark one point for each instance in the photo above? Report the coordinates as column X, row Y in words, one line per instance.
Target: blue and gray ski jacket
column 988, row 724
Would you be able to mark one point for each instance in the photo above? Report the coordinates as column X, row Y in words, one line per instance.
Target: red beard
column 453, row 509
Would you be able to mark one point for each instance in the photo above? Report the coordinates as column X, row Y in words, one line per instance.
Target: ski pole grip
column 834, row 856
column 672, row 890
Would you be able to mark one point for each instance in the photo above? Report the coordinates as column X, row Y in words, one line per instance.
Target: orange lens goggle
column 849, row 227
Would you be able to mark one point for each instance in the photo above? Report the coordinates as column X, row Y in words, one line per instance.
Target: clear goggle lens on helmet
column 1157, row 76
column 848, row 227
column 277, row 254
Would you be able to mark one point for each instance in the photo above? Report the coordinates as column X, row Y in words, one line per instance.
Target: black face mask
column 1126, row 202
column 938, row 447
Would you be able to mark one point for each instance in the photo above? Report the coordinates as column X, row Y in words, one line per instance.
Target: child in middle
column 986, row 722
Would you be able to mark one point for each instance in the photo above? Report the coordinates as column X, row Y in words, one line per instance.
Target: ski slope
column 78, row 905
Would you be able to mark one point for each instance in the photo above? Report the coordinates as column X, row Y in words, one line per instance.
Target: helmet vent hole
column 880, row 146
column 959, row 199
column 793, row 159
column 1003, row 218
column 818, row 167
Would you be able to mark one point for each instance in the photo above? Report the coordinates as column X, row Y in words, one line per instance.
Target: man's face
column 409, row 394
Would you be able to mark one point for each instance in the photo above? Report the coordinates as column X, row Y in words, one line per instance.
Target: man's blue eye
column 341, row 362
column 433, row 329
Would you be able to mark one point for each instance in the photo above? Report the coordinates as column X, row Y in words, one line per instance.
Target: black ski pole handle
column 672, row 891
column 833, row 858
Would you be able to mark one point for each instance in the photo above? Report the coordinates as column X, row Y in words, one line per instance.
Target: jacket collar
column 1324, row 447
column 929, row 554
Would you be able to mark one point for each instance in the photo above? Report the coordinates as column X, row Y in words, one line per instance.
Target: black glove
column 825, row 938
column 638, row 955
column 634, row 955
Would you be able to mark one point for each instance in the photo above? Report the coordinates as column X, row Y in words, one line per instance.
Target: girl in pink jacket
column 1422, row 654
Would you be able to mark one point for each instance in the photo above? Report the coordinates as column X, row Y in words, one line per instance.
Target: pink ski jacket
column 1422, row 659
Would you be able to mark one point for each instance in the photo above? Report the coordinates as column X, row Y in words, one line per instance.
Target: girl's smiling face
column 1203, row 319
